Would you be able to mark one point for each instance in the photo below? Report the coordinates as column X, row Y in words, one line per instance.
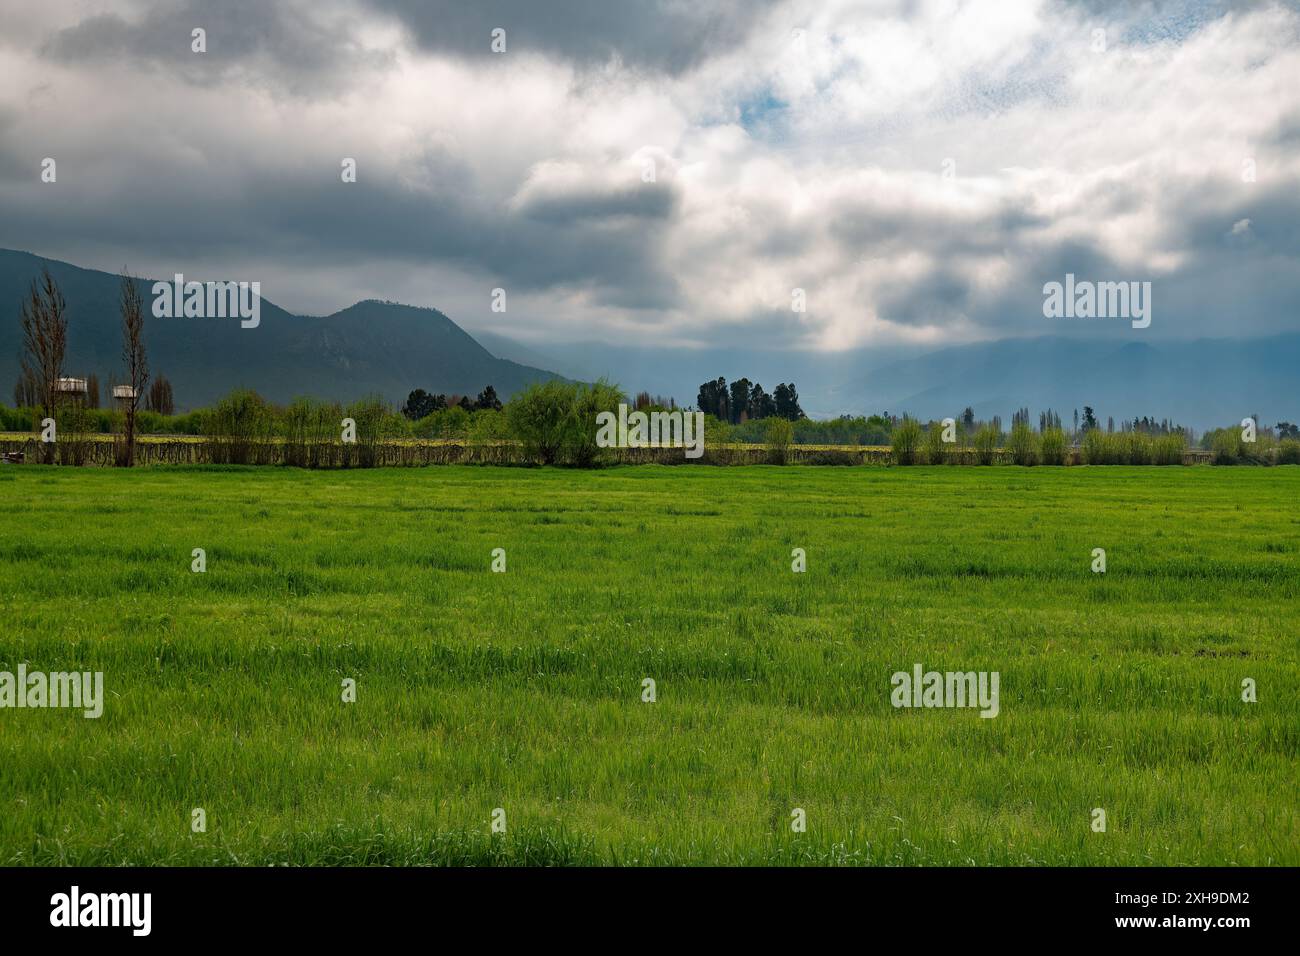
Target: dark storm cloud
column 637, row 201
column 287, row 216
column 1287, row 133
column 937, row 298
column 660, row 35
column 13, row 161
column 1273, row 214
column 278, row 42
column 876, row 227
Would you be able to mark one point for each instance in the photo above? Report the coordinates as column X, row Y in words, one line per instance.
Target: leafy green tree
column 761, row 404
column 588, row 402
column 540, row 418
column 488, row 426
column 714, row 399
column 556, row 421
column 787, row 402
column 740, row 401
column 420, row 404
column 454, row 422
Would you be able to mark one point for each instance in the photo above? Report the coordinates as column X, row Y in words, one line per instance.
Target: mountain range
column 368, row 348
column 1200, row 383
column 387, row 348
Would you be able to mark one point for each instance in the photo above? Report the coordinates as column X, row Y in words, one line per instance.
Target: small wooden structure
column 74, row 387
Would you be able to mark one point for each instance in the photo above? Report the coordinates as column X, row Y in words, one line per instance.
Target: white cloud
column 810, row 153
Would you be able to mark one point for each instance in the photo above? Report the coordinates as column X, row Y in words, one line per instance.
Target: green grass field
column 522, row 690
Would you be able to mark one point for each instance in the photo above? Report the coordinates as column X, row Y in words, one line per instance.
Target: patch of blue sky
column 1171, row 22
column 759, row 115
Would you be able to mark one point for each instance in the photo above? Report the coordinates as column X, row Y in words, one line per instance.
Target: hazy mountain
column 504, row 347
column 390, row 349
column 1202, row 383
column 369, row 347
column 678, row 372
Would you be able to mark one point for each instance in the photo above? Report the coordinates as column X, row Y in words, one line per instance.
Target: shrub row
column 912, row 444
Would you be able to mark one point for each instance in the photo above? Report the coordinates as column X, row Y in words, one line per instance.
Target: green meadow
column 523, row 690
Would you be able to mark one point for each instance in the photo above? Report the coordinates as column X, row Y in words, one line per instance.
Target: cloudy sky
column 919, row 168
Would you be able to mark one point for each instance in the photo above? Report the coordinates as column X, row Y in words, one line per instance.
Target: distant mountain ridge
column 390, row 349
column 371, row 347
column 1200, row 383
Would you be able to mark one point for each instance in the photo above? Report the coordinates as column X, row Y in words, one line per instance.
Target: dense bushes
column 986, row 443
column 238, row 426
column 488, row 426
column 1104, row 448
column 1137, row 448
column 446, row 424
column 310, row 427
column 1133, row 448
column 906, row 441
column 75, row 426
column 375, row 422
column 15, row 419
column 1226, row 444
column 541, row 419
column 1099, row 448
column 106, row 421
column 845, row 430
column 935, row 447
column 556, row 421
column 1168, row 449
column 780, row 432
column 588, row 402
column 1055, row 447
column 1023, row 444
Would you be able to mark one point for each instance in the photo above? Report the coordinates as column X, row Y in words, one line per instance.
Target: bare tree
column 45, row 341
column 134, row 360
column 26, row 393
column 92, row 390
column 160, row 398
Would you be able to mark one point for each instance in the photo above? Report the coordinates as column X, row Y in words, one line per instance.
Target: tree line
column 743, row 401
column 554, row 419
column 421, row 404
